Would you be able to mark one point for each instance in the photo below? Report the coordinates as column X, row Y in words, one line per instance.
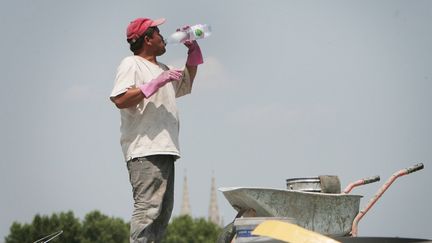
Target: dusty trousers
column 152, row 180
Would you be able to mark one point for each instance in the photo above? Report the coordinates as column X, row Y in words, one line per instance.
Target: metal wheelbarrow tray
column 329, row 214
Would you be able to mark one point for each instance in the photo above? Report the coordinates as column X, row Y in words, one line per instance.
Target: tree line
column 99, row 228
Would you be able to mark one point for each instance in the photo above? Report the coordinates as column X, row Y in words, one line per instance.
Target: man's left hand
column 194, row 54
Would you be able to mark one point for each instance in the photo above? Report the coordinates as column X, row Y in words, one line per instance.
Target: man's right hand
column 168, row 76
column 148, row 89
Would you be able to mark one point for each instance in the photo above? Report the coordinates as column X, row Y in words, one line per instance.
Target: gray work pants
column 152, row 180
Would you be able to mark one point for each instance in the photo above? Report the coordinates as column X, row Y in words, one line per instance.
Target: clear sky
column 288, row 89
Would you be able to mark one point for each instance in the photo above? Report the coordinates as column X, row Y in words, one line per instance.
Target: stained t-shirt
column 152, row 126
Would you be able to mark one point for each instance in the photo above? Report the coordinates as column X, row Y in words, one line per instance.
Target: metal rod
column 360, row 182
column 354, row 229
column 50, row 237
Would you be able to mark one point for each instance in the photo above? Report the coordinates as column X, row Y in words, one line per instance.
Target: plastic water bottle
column 195, row 32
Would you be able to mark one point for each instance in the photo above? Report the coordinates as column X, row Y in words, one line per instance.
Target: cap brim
column 157, row 22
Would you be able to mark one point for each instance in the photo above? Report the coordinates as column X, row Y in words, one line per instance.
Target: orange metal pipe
column 360, row 182
column 354, row 228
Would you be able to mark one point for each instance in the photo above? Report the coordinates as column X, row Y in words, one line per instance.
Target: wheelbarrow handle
column 371, row 179
column 414, row 168
column 403, row 172
column 360, row 182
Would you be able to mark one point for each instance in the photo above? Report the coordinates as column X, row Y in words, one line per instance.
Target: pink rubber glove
column 165, row 77
column 194, row 54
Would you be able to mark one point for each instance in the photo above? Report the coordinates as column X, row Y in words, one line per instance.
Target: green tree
column 95, row 228
column 42, row 226
column 99, row 228
column 19, row 233
column 184, row 229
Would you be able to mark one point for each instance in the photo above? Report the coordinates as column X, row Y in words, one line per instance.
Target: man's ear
column 147, row 40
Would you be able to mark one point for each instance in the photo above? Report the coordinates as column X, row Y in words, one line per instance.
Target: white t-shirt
column 152, row 127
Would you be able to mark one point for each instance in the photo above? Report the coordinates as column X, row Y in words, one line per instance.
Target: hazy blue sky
column 288, row 89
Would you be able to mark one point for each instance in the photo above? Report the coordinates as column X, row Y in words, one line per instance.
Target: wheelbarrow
column 328, row 214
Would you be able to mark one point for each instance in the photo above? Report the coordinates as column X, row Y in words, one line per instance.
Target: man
column 145, row 92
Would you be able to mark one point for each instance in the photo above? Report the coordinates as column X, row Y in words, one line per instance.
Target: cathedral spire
column 185, row 208
column 213, row 215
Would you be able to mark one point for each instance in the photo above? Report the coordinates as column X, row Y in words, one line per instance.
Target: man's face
column 158, row 43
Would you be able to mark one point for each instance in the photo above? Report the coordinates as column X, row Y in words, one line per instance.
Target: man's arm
column 192, row 71
column 130, row 98
column 133, row 96
column 194, row 58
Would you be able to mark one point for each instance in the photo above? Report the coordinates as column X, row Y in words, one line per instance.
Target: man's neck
column 148, row 57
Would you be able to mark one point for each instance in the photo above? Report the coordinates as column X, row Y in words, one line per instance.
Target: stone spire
column 185, row 208
column 213, row 215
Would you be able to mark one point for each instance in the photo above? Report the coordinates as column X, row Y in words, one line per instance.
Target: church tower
column 185, row 208
column 213, row 214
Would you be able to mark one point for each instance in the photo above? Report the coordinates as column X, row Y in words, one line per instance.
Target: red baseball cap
column 138, row 26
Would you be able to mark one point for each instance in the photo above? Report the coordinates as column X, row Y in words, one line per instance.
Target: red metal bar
column 360, row 182
column 354, row 229
column 352, row 185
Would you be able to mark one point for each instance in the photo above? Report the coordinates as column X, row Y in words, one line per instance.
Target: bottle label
column 197, row 31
